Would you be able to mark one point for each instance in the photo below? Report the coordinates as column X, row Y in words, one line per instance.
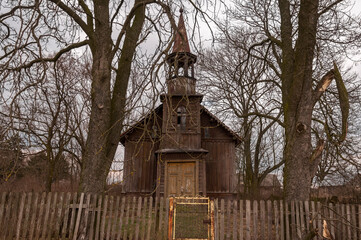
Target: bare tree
column 45, row 113
column 11, row 156
column 252, row 101
column 111, row 32
column 295, row 40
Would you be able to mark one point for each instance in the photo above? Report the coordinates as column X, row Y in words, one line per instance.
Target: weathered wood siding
column 144, row 169
column 140, row 164
column 221, row 159
column 172, row 135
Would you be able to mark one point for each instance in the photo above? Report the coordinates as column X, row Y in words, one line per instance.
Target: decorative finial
column 181, row 10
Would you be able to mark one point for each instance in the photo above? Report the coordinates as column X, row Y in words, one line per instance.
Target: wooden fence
column 88, row 216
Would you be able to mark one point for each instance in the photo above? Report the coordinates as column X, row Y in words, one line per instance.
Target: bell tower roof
column 181, row 43
column 181, row 56
column 181, row 62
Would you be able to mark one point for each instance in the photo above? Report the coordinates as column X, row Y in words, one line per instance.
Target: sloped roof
column 158, row 111
column 151, row 113
column 235, row 135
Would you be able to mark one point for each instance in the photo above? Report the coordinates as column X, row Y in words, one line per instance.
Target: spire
column 181, row 60
column 181, row 40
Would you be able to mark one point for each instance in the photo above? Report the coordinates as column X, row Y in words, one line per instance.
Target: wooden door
column 181, row 179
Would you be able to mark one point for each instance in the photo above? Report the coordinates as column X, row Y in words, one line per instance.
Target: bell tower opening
column 181, row 63
column 181, row 118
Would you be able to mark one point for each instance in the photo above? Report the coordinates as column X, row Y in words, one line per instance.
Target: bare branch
column 56, row 57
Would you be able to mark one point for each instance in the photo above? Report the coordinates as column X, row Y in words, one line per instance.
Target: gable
column 212, row 128
column 149, row 126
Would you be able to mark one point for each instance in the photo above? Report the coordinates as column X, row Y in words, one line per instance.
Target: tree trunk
column 107, row 113
column 297, row 98
column 94, row 173
column 297, row 172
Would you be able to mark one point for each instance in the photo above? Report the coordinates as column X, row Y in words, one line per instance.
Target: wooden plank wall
column 89, row 216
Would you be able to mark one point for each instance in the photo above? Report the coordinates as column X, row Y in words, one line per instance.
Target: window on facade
column 154, row 133
column 181, row 118
column 206, row 133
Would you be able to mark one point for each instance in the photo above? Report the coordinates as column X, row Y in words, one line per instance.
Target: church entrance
column 181, row 178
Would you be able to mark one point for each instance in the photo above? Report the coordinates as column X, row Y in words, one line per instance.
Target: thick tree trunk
column 298, row 99
column 253, row 190
column 94, row 172
column 107, row 114
column 297, row 153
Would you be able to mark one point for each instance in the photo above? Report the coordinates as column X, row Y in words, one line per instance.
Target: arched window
column 181, row 118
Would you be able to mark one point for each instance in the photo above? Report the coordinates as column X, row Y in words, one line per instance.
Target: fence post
column 269, row 219
column 110, row 218
column 241, row 220
column 170, row 218
column 275, row 207
column 142, row 234
column 52, row 216
column 18, row 225
column 228, row 219
column 121, row 215
column 93, row 201
column 221, row 232
column 307, row 213
column 359, row 221
column 248, row 219
column 255, row 219
column 235, row 213
column 133, row 212
column 27, row 215
column 39, row 224
column 212, row 220
column 348, row 218
column 298, row 224
column 149, row 217
column 139, row 211
column 287, row 216
column 262, row 218
column 319, row 218
column 216, row 220
column 78, row 217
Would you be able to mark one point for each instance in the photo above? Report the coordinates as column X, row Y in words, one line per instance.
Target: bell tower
column 180, row 156
column 181, row 63
column 181, row 108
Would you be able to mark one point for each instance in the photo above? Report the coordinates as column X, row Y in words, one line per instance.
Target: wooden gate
column 191, row 218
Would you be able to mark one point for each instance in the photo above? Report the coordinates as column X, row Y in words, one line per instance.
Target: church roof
column 158, row 111
column 235, row 135
column 142, row 121
column 181, row 43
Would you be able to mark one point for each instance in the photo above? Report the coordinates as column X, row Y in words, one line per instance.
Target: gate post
column 170, row 218
column 212, row 220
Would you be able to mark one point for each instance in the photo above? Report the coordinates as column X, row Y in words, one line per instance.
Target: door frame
column 181, row 161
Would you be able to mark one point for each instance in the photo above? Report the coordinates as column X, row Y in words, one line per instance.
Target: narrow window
column 181, row 118
column 206, row 133
column 154, row 133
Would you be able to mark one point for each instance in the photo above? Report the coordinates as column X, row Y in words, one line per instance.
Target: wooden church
column 180, row 148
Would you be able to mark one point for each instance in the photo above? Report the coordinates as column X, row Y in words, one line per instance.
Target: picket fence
column 90, row 216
